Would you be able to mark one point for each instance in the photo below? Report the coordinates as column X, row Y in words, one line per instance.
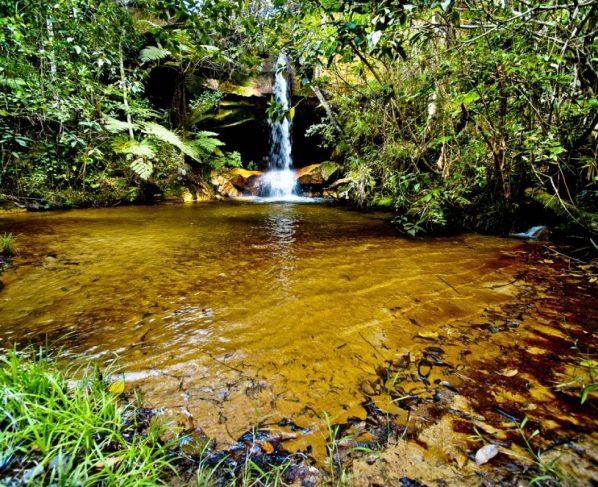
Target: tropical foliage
column 76, row 126
column 456, row 108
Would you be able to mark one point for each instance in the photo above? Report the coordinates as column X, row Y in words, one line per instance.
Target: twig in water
column 224, row 363
column 371, row 345
column 564, row 255
column 449, row 285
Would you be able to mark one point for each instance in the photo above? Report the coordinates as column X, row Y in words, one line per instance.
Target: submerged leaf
column 508, row 372
column 486, row 453
column 431, row 335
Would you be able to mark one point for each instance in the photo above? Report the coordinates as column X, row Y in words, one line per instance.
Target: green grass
column 584, row 377
column 550, row 473
column 8, row 245
column 59, row 431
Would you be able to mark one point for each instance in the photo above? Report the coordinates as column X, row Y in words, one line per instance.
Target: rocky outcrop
column 237, row 182
column 313, row 180
column 317, row 174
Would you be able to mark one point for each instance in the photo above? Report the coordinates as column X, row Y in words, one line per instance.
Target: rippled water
column 235, row 314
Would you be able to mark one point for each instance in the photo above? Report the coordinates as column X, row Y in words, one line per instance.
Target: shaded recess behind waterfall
column 252, row 137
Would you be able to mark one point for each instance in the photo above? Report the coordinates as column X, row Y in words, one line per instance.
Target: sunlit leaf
column 117, row 387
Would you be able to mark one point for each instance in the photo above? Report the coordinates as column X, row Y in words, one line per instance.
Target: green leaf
column 114, row 126
column 153, row 53
column 143, row 148
column 470, row 97
column 374, row 38
column 587, row 390
column 142, row 167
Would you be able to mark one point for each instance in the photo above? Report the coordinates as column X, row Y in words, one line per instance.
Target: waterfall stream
column 280, row 181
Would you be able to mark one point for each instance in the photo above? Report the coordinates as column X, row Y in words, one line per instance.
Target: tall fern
column 142, row 167
column 115, row 126
column 153, row 53
column 204, row 143
column 163, row 134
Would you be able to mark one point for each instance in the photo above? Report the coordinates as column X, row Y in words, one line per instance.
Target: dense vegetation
column 453, row 112
column 459, row 108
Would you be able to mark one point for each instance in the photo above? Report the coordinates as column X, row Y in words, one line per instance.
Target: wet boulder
column 310, row 175
column 317, row 174
column 236, row 182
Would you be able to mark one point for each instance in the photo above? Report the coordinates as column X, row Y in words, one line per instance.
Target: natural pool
column 232, row 315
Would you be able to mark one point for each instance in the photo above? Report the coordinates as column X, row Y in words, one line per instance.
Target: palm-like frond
column 206, row 142
column 182, row 40
column 168, row 136
column 153, row 53
column 115, row 126
column 143, row 148
column 142, row 167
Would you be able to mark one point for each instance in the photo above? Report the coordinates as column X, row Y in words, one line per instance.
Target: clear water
column 237, row 314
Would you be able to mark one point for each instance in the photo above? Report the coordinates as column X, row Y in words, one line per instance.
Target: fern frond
column 146, row 25
column 163, row 134
column 182, row 40
column 142, row 167
column 143, row 148
column 209, row 48
column 205, row 133
column 153, row 53
column 114, row 126
column 206, row 142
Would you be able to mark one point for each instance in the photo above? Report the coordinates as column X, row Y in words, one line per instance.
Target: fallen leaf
column 117, row 387
column 266, row 446
column 428, row 334
column 548, row 261
column 485, row 454
column 508, row 372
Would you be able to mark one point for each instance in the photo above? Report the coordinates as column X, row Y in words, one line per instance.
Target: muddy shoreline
column 428, row 412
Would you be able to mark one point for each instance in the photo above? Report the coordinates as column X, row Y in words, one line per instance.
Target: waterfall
column 280, row 181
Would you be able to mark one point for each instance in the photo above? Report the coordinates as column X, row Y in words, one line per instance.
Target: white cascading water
column 280, row 181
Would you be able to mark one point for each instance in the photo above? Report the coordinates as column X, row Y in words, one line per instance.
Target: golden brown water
column 237, row 314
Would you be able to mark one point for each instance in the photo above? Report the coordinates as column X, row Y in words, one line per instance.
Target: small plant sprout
column 549, row 471
column 8, row 246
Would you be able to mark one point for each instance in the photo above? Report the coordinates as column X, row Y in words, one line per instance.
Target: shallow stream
column 232, row 315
